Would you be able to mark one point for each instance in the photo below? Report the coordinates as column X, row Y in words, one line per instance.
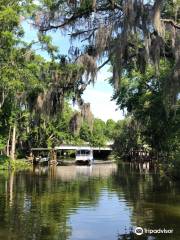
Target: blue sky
column 99, row 95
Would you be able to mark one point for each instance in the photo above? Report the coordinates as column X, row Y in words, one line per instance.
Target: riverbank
column 8, row 164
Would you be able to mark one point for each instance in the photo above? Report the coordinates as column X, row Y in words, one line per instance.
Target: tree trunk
column 13, row 143
column 8, row 141
column 2, row 98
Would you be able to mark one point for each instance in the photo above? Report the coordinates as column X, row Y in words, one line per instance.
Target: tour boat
column 84, row 156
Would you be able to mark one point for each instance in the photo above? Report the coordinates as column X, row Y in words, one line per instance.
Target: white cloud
column 101, row 104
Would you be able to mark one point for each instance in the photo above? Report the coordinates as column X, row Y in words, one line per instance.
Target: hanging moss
column 129, row 33
column 77, row 120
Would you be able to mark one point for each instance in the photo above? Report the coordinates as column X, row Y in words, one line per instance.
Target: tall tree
column 127, row 33
column 12, row 56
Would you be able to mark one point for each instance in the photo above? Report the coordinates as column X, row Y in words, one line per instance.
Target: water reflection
column 87, row 203
column 68, row 173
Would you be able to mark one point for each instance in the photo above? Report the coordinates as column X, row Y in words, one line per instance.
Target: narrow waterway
column 88, row 203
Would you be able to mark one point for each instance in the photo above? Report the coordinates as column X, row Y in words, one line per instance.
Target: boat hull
column 83, row 162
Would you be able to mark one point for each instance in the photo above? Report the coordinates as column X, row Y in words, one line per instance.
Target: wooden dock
column 143, row 156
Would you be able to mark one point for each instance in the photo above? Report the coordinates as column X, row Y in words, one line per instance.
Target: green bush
column 6, row 164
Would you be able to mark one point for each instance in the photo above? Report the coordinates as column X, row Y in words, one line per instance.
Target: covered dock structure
column 65, row 151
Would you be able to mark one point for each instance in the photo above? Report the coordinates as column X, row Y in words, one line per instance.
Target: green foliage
column 2, row 142
column 46, row 42
column 143, row 96
column 85, row 133
column 4, row 162
column 7, row 164
column 126, row 137
column 110, row 130
column 98, row 133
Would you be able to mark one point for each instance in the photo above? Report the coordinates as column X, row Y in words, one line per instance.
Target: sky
column 98, row 95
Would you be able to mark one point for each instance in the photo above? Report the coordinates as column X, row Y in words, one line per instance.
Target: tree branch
column 77, row 15
column 75, row 34
column 172, row 22
column 102, row 65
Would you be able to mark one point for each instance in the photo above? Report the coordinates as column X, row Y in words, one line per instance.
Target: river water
column 101, row 202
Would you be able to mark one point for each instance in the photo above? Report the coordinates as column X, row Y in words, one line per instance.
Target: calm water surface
column 87, row 203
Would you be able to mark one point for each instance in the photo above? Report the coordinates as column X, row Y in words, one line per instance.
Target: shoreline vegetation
column 7, row 164
column 170, row 170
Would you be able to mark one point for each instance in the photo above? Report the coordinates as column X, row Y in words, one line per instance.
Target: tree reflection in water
column 132, row 236
column 37, row 205
column 47, row 203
